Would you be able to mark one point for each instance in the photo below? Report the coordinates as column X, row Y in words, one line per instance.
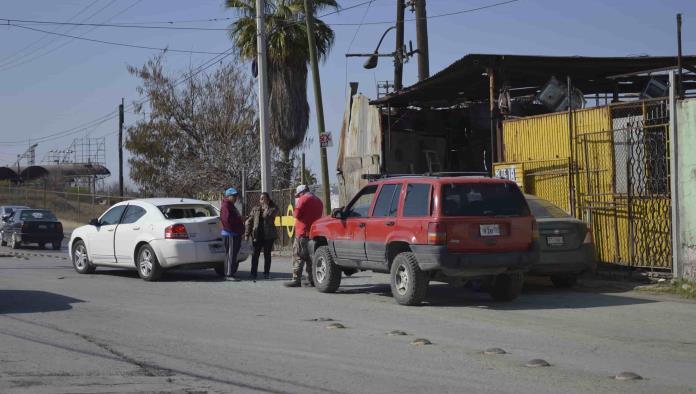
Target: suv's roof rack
column 374, row 177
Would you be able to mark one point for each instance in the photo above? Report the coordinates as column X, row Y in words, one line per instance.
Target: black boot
column 292, row 283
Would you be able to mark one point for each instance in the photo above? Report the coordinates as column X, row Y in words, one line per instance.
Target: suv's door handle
column 390, row 223
column 361, row 225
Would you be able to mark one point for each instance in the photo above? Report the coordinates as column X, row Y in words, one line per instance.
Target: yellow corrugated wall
column 539, row 148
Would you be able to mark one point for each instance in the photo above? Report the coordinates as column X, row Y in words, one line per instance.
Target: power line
column 115, row 25
column 114, row 43
column 7, row 67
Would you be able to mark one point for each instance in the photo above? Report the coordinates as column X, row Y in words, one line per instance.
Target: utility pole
column 422, row 40
column 398, row 53
column 263, row 95
column 120, row 149
column 309, row 15
column 680, row 86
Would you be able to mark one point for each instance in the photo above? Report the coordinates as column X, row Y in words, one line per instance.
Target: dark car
column 423, row 228
column 566, row 245
column 39, row 226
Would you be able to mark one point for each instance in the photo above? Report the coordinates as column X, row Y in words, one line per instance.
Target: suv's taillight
column 436, row 233
column 535, row 230
column 588, row 237
column 176, row 231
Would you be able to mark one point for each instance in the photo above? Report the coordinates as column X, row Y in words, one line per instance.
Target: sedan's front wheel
column 80, row 259
column 148, row 266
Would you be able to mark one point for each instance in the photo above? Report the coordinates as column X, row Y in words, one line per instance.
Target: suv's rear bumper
column 432, row 257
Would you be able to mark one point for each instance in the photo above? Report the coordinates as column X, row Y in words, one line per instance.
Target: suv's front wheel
column 507, row 287
column 327, row 274
column 408, row 283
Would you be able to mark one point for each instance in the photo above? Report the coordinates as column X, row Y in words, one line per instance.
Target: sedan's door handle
column 136, row 228
column 390, row 223
column 361, row 225
column 111, row 230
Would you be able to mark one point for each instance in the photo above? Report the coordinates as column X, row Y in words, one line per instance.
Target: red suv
column 421, row 228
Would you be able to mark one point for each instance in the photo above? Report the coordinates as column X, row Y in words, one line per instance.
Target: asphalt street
column 112, row 332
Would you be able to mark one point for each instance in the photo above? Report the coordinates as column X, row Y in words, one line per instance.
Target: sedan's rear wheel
column 148, row 266
column 80, row 259
column 14, row 244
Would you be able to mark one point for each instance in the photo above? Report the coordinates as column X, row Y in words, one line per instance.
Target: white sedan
column 152, row 235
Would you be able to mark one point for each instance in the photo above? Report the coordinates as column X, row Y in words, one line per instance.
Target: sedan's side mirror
column 337, row 213
column 5, row 217
column 94, row 222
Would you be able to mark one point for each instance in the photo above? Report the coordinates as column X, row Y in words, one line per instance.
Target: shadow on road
column 33, row 301
column 195, row 275
column 534, row 296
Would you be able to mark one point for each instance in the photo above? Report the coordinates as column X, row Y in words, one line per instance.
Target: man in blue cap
column 232, row 230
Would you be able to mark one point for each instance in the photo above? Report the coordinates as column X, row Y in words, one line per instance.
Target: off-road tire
column 325, row 272
column 409, row 284
column 80, row 259
column 564, row 281
column 147, row 265
column 507, row 287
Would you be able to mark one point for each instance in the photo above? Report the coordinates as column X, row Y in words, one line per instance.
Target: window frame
column 355, row 199
column 395, row 196
column 429, row 202
column 109, row 210
column 128, row 208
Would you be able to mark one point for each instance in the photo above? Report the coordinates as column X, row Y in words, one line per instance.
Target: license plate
column 216, row 248
column 555, row 241
column 43, row 226
column 489, row 230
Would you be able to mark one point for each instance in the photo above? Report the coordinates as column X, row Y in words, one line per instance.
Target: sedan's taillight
column 176, row 231
column 436, row 233
column 588, row 237
column 535, row 230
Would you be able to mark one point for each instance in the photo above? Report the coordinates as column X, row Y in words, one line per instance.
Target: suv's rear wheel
column 408, row 283
column 327, row 274
column 507, row 287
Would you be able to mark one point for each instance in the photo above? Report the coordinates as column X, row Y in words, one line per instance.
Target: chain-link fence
column 74, row 208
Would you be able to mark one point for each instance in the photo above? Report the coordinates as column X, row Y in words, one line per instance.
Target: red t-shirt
column 308, row 210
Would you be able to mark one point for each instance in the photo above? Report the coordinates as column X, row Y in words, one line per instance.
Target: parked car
column 567, row 248
column 25, row 226
column 152, row 235
column 5, row 212
column 417, row 229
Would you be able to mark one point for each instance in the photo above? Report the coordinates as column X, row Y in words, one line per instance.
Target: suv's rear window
column 483, row 199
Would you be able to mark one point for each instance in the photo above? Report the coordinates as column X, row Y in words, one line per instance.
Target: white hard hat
column 301, row 189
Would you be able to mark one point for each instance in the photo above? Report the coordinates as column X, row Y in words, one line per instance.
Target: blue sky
column 49, row 84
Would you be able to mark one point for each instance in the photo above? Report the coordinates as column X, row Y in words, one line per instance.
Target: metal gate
column 621, row 184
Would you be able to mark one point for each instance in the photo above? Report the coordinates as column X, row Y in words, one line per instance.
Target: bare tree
column 200, row 133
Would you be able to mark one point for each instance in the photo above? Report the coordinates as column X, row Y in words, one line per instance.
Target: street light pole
column 263, row 96
column 398, row 58
column 309, row 16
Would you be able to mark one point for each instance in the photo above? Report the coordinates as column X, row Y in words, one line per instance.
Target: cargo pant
column 301, row 258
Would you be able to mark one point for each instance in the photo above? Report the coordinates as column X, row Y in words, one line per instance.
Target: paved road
column 112, row 332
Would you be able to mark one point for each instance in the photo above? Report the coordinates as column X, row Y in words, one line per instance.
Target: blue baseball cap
column 231, row 192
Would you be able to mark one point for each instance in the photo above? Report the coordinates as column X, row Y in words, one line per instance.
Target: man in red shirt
column 308, row 208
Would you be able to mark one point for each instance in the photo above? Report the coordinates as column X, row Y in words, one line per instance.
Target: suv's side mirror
column 337, row 213
column 94, row 222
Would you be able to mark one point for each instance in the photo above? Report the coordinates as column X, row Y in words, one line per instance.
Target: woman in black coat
column 261, row 229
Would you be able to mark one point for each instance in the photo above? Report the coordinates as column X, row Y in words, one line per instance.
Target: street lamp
column 371, row 61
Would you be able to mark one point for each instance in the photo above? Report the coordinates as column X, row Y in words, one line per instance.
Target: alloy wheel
column 145, row 262
column 80, row 257
column 320, row 273
column 402, row 280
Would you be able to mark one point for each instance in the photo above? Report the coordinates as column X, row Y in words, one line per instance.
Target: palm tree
column 288, row 56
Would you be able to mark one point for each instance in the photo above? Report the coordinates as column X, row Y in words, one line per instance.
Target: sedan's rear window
column 542, row 209
column 483, row 199
column 36, row 214
column 187, row 211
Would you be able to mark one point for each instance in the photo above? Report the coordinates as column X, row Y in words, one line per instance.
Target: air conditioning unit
column 654, row 89
column 554, row 96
